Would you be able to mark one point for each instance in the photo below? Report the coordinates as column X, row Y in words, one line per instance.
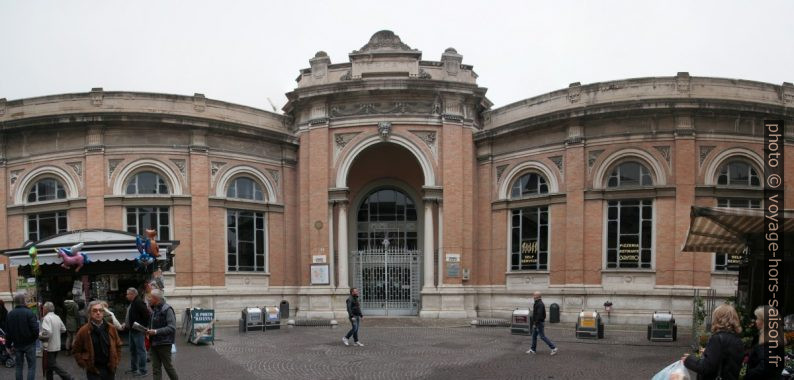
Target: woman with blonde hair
column 757, row 366
column 724, row 351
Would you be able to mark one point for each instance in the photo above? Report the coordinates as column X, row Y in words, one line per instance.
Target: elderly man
column 97, row 347
column 51, row 329
column 22, row 332
column 137, row 312
column 161, row 335
column 538, row 318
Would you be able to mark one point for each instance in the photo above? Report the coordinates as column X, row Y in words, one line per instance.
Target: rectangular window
column 629, row 233
column 46, row 224
column 245, row 241
column 730, row 262
column 529, row 239
column 140, row 219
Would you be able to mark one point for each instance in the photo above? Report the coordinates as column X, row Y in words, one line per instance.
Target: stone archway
column 390, row 277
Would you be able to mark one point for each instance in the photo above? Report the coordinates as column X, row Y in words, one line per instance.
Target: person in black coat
column 354, row 315
column 724, row 352
column 137, row 312
column 538, row 319
column 758, row 367
column 22, row 333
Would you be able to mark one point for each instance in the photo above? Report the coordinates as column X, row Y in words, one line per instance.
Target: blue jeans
column 539, row 331
column 355, row 321
column 26, row 353
column 137, row 352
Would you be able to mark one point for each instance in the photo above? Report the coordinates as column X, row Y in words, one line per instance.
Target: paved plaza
column 415, row 349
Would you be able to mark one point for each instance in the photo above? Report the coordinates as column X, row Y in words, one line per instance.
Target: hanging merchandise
column 34, row 260
column 73, row 257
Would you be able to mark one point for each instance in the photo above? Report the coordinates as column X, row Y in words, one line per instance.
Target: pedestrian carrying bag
column 675, row 371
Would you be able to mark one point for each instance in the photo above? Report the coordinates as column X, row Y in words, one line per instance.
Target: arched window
column 629, row 174
column 387, row 214
column 245, row 188
column 629, row 221
column 157, row 218
column 738, row 173
column 529, row 226
column 45, row 224
column 147, row 183
column 47, row 189
column 529, row 184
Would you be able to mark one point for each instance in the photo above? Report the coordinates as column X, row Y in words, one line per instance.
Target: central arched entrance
column 387, row 260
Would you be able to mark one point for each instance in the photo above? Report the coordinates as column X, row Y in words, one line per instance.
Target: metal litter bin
column 520, row 323
column 554, row 313
column 662, row 327
column 251, row 320
column 283, row 308
column 272, row 318
column 589, row 325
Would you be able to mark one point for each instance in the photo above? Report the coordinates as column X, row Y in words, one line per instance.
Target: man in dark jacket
column 161, row 336
column 22, row 332
column 354, row 315
column 137, row 312
column 538, row 318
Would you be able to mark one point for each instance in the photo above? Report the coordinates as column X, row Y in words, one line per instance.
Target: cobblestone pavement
column 415, row 349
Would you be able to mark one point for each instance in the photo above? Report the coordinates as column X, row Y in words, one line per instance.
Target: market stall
column 111, row 261
column 740, row 233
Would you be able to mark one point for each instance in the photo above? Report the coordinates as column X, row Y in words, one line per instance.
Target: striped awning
column 98, row 245
column 721, row 229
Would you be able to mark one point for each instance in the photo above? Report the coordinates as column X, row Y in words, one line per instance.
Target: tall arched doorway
column 387, row 260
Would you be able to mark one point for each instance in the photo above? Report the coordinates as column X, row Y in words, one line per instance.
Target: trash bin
column 554, row 313
column 251, row 320
column 520, row 322
column 272, row 318
column 284, row 309
column 589, row 325
column 662, row 327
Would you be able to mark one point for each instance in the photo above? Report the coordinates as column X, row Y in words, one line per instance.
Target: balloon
column 73, row 257
column 34, row 260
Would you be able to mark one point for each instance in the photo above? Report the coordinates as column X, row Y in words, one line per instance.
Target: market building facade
column 395, row 175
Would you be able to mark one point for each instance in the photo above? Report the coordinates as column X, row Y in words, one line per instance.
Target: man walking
column 97, row 347
column 51, row 329
column 354, row 315
column 161, row 335
column 137, row 312
column 22, row 332
column 538, row 318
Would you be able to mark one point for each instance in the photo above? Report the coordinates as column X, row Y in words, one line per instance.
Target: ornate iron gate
column 388, row 279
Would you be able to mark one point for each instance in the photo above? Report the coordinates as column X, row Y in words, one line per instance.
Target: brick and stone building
column 397, row 175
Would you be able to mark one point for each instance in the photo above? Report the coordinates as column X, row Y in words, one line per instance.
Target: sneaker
column 359, row 344
column 554, row 351
column 531, row 351
column 345, row 341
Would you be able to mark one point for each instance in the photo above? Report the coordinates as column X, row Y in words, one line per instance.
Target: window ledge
column 724, row 272
column 46, row 206
column 263, row 274
column 520, row 272
column 629, row 270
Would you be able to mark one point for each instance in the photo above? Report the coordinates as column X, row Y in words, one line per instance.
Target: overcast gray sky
column 247, row 51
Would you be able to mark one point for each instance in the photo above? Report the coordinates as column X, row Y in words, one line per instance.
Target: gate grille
column 388, row 279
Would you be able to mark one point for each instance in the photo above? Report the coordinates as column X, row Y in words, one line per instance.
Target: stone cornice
column 100, row 107
column 681, row 92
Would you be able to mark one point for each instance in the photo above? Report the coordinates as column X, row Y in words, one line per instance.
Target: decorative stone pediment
column 384, row 41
